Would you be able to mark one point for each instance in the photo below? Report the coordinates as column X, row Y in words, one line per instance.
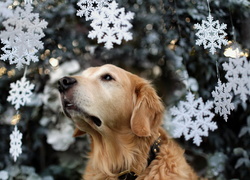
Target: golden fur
column 131, row 116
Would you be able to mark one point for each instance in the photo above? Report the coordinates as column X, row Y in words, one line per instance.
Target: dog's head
column 108, row 98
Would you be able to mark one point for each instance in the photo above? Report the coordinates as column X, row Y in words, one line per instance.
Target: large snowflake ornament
column 111, row 25
column 87, row 7
column 211, row 34
column 22, row 36
column 20, row 92
column 16, row 143
column 238, row 76
column 193, row 119
column 223, row 99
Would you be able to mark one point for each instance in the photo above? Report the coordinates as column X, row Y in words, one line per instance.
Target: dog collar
column 127, row 175
column 154, row 149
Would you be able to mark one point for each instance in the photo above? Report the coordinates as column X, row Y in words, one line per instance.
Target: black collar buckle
column 154, row 149
column 127, row 175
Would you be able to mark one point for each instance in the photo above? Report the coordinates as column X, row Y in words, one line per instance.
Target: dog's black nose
column 66, row 83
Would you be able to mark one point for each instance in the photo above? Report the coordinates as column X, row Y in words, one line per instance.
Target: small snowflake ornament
column 22, row 36
column 193, row 119
column 28, row 1
column 211, row 34
column 87, row 7
column 111, row 25
column 223, row 100
column 16, row 143
column 20, row 93
column 238, row 76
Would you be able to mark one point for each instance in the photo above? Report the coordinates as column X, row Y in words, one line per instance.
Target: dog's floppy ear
column 78, row 132
column 148, row 109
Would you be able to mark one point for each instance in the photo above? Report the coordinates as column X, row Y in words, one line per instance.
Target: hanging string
column 231, row 20
column 16, row 118
column 25, row 71
column 209, row 10
column 177, row 19
column 233, row 28
column 188, row 85
column 216, row 62
column 217, row 70
column 185, row 76
column 234, row 44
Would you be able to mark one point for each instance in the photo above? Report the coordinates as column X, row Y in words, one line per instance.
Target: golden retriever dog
column 122, row 114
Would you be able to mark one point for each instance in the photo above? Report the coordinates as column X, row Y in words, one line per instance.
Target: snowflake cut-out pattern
column 5, row 11
column 111, row 25
column 20, row 93
column 238, row 76
column 193, row 119
column 87, row 7
column 211, row 34
column 22, row 36
column 223, row 100
column 16, row 143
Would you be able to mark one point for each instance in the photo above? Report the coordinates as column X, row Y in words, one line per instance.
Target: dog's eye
column 107, row 77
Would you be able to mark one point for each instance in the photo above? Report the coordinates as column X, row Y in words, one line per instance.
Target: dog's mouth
column 69, row 106
column 95, row 120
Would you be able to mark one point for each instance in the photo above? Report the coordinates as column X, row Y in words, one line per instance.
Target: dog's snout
column 65, row 83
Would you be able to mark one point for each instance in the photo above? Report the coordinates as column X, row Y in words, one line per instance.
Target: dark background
column 162, row 50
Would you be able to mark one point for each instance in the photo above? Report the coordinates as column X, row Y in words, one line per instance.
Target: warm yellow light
column 40, row 70
column 16, row 3
column 172, row 44
column 47, row 52
column 187, row 20
column 75, row 43
column 46, row 71
column 54, row 62
column 11, row 73
column 60, row 46
column 15, row 119
column 173, row 41
column 234, row 53
column 2, row 71
column 234, row 50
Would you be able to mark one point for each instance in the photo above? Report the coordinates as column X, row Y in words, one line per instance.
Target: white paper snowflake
column 223, row 99
column 87, row 7
column 193, row 119
column 5, row 11
column 4, row 175
column 111, row 25
column 22, row 36
column 211, row 34
column 238, row 76
column 28, row 1
column 16, row 143
column 20, row 93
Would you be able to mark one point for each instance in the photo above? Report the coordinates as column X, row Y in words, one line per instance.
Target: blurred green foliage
column 163, row 49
